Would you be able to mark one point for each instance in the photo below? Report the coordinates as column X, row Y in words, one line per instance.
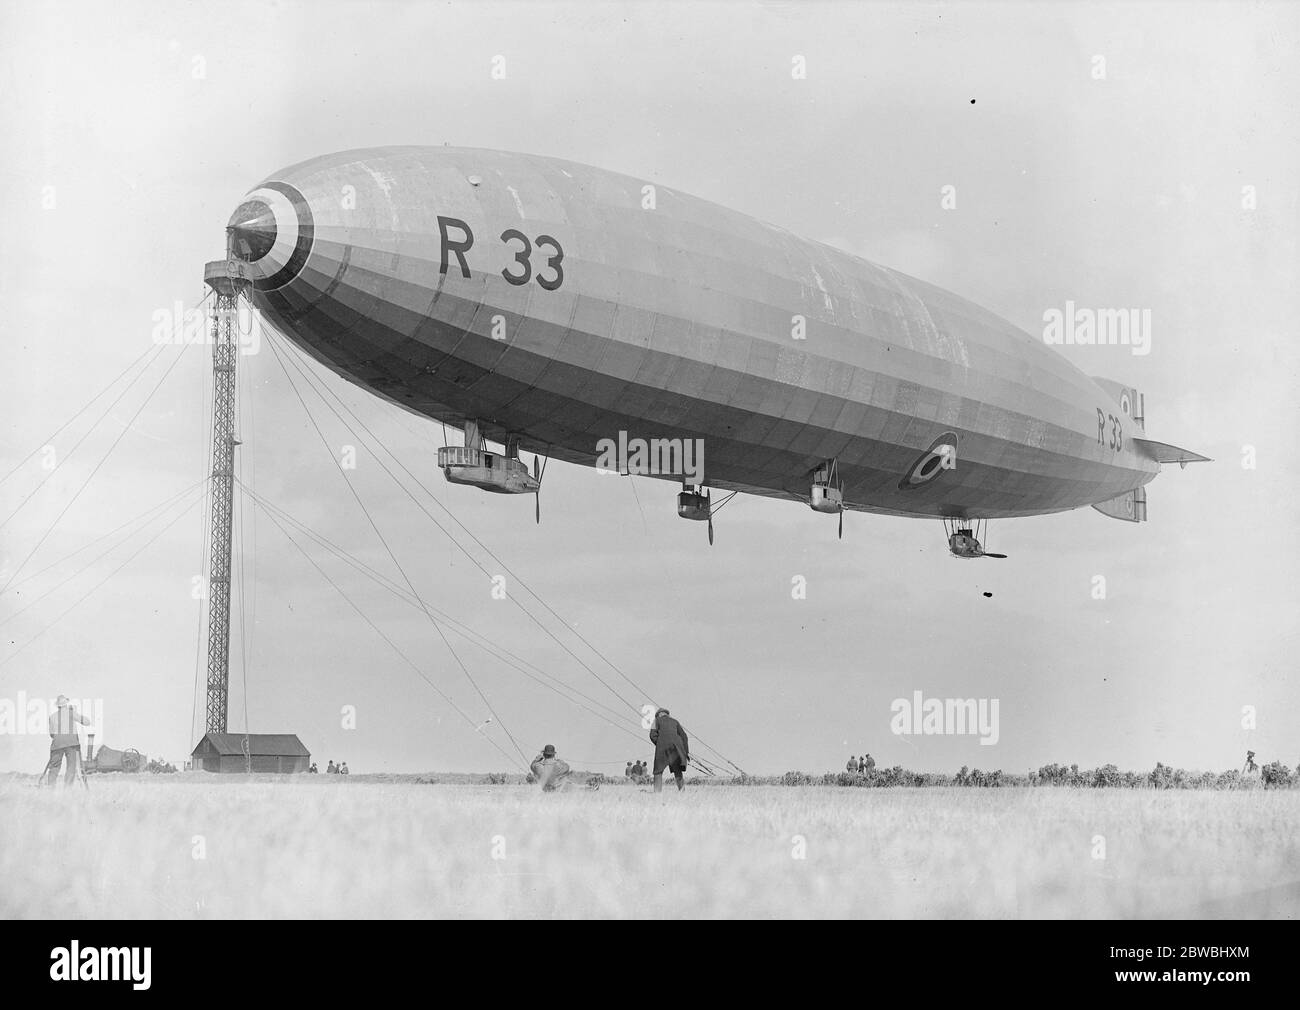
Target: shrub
column 1275, row 775
column 1054, row 775
column 1161, row 777
column 1106, row 777
column 900, row 776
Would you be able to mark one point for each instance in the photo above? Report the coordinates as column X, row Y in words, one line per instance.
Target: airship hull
column 565, row 305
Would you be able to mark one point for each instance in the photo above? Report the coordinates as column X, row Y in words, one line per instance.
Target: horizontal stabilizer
column 1162, row 452
column 1130, row 507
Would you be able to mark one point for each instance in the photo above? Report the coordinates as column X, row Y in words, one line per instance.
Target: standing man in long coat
column 64, row 742
column 672, row 749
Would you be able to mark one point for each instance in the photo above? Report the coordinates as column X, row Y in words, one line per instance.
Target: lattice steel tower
column 228, row 280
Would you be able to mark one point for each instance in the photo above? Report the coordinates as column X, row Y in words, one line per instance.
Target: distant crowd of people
column 331, row 768
column 863, row 765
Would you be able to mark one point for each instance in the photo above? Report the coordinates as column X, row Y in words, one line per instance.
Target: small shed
column 266, row 752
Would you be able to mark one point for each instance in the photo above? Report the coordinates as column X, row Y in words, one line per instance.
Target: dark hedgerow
column 1272, row 776
column 1108, row 776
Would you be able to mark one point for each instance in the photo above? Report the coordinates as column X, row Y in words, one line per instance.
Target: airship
column 545, row 306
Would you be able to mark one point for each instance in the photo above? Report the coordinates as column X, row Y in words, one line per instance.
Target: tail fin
column 1133, row 405
column 1131, row 506
column 1163, row 452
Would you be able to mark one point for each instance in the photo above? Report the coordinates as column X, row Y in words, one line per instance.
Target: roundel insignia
column 272, row 231
column 940, row 456
column 1124, row 404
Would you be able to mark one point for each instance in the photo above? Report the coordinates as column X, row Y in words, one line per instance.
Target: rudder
column 1131, row 507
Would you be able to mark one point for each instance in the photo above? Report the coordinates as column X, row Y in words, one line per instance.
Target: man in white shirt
column 64, row 742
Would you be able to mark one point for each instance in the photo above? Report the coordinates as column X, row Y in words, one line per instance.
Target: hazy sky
column 130, row 132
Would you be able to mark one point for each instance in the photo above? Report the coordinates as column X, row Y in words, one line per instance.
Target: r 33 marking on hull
column 460, row 245
column 1110, row 432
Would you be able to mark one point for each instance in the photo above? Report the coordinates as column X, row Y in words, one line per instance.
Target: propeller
column 841, row 522
column 710, row 531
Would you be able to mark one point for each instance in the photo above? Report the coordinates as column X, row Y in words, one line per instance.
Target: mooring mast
column 228, row 279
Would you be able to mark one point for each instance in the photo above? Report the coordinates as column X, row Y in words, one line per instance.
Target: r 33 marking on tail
column 1110, row 432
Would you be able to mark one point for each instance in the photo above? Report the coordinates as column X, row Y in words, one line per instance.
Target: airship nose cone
column 251, row 231
column 273, row 231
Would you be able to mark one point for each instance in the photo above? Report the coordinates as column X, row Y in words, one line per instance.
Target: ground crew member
column 868, row 765
column 852, row 766
column 64, row 742
column 343, row 769
column 330, row 768
column 550, row 771
column 629, row 771
column 672, row 749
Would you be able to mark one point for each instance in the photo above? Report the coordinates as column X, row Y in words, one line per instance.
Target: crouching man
column 552, row 773
column 548, row 770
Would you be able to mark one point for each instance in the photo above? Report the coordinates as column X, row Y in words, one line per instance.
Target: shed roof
column 259, row 744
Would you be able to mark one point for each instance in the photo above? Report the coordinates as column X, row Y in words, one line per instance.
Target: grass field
column 194, row 846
